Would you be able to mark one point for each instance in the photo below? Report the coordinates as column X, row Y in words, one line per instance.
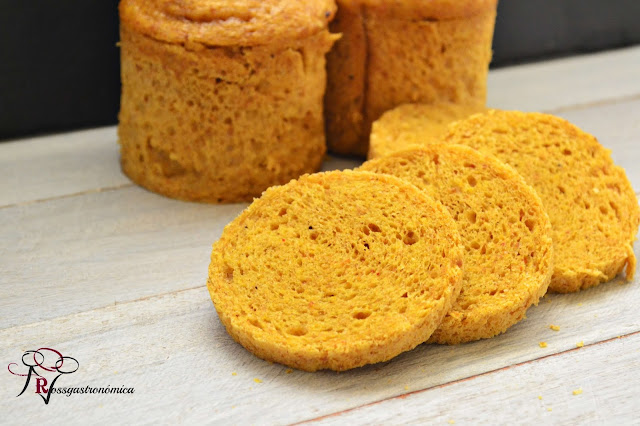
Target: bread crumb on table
column 451, row 421
column 257, row 380
column 580, row 344
column 577, row 391
column 542, row 344
column 549, row 409
column 234, row 373
column 554, row 327
column 540, row 397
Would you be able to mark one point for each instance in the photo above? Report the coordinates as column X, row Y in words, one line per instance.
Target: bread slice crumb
column 580, row 344
column 577, row 391
column 257, row 380
column 554, row 327
column 542, row 344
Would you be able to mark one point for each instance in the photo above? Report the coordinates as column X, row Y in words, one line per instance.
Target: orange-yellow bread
column 222, row 99
column 336, row 270
column 415, row 125
column 504, row 228
column 396, row 52
column 593, row 209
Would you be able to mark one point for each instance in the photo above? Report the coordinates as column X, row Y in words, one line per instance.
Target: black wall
column 59, row 65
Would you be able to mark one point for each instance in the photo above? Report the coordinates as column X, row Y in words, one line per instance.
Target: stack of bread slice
column 449, row 240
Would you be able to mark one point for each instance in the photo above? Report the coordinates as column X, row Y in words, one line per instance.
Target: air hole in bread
column 255, row 323
column 530, row 223
column 228, row 273
column 471, row 216
column 297, row 331
column 410, row 238
column 362, row 315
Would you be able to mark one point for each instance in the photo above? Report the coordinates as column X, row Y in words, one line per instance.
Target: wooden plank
column 533, row 393
column 174, row 351
column 558, row 84
column 86, row 252
column 71, row 164
column 123, row 245
column 59, row 165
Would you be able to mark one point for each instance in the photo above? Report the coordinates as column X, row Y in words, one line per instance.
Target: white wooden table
column 114, row 276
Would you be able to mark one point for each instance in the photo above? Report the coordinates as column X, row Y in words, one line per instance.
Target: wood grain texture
column 174, row 351
column 532, row 393
column 556, row 85
column 59, row 165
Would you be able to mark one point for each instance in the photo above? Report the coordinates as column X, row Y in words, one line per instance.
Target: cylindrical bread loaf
column 222, row 99
column 394, row 52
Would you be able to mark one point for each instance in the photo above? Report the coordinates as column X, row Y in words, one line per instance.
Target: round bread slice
column 415, row 125
column 504, row 228
column 336, row 270
column 593, row 209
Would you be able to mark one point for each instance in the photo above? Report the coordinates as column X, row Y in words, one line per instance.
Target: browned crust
column 225, row 23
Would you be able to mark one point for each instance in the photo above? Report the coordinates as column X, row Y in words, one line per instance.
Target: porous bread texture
column 410, row 125
column 227, row 23
column 393, row 53
column 504, row 228
column 220, row 123
column 593, row 209
column 336, row 270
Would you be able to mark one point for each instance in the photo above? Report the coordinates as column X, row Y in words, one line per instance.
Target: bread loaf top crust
column 227, row 23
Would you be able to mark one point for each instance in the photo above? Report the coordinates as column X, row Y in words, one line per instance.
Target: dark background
column 59, row 65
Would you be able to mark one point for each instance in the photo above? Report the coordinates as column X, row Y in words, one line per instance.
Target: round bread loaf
column 336, row 270
column 593, row 209
column 415, row 125
column 503, row 226
column 395, row 52
column 222, row 99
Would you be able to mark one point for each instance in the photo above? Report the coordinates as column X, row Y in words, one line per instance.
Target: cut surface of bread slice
column 504, row 227
column 593, row 209
column 415, row 125
column 336, row 270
